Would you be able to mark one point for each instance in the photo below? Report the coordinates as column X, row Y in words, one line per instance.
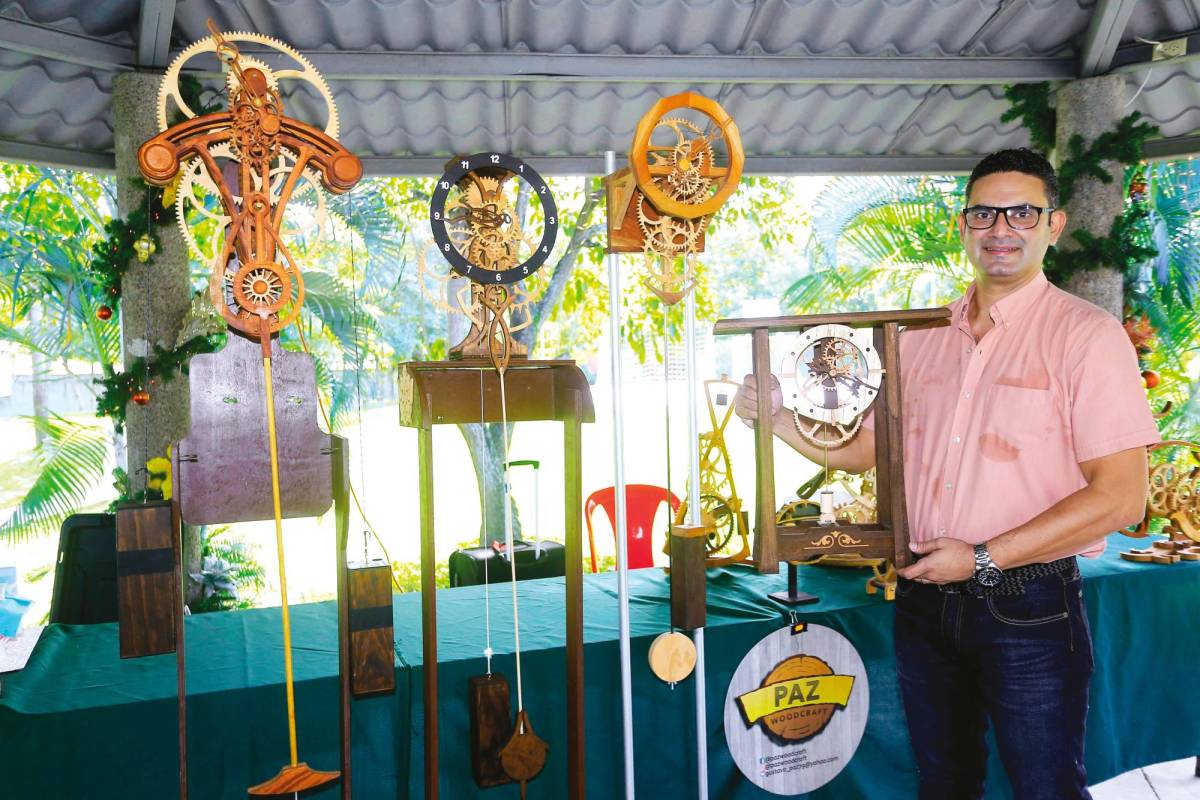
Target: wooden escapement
column 446, row 392
column 914, row 316
column 672, row 656
column 524, row 754
column 372, row 657
column 488, row 705
column 689, row 592
column 294, row 779
column 147, row 594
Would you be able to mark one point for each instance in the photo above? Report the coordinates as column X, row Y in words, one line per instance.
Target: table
column 78, row 722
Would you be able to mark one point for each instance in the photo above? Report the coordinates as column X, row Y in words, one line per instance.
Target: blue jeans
column 1023, row 661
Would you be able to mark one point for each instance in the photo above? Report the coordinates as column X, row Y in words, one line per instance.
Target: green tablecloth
column 80, row 723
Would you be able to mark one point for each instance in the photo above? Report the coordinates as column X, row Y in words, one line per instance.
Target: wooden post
column 688, row 590
column 341, row 510
column 573, row 495
column 766, row 552
column 428, row 599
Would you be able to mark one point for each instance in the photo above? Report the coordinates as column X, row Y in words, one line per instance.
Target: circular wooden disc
column 672, row 657
column 1133, row 555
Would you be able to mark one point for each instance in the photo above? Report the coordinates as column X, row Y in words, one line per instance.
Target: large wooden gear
column 684, row 164
column 830, row 376
column 254, row 160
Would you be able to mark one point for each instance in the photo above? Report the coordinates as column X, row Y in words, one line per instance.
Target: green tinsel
column 163, row 365
column 1120, row 249
column 112, row 256
column 1126, row 145
column 1031, row 105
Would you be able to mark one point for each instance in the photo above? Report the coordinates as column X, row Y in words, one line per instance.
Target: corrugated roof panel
column 113, row 20
column 48, row 102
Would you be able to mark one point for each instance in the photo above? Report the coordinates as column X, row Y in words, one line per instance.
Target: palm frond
column 73, row 458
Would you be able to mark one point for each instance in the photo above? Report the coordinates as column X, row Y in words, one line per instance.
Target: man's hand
column 745, row 403
column 943, row 561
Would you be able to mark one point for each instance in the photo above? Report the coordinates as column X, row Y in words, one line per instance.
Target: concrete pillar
column 155, row 296
column 1091, row 107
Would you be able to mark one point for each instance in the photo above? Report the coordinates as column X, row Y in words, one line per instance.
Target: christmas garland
column 1125, row 244
column 1031, row 104
column 134, row 383
column 126, row 239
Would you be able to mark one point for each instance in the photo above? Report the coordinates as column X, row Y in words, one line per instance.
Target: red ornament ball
column 1150, row 378
column 141, row 397
column 104, row 313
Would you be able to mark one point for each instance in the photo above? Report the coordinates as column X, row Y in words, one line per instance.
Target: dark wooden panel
column 225, row 471
column 491, row 724
column 688, row 591
column 147, row 593
column 372, row 660
column 901, row 555
column 809, row 540
column 914, row 316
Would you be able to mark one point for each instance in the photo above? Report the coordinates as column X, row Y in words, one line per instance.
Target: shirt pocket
column 1021, row 414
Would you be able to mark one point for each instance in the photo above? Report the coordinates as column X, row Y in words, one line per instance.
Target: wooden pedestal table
column 468, row 391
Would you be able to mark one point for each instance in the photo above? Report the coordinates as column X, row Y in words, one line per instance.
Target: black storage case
column 543, row 560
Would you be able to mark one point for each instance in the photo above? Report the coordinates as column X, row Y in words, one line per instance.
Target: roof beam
column 755, row 165
column 1103, row 35
column 47, row 42
column 48, row 155
column 686, row 69
column 155, row 21
column 1174, row 147
column 1140, row 55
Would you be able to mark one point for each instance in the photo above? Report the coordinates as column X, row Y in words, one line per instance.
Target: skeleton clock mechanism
column 236, row 172
column 833, row 371
column 494, row 221
column 685, row 162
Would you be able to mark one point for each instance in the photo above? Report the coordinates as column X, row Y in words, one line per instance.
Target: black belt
column 1013, row 582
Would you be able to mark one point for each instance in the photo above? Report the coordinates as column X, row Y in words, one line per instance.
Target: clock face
column 831, row 373
column 475, row 219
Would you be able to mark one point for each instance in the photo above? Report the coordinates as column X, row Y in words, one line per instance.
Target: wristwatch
column 986, row 571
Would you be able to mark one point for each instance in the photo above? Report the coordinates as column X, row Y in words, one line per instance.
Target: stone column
column 1091, row 107
column 155, row 296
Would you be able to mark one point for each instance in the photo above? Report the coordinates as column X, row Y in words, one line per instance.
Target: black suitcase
column 541, row 560
column 85, row 575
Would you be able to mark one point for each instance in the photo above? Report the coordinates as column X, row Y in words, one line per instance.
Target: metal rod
column 694, row 519
column 614, row 335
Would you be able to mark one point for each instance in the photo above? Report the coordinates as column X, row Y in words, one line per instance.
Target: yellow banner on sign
column 811, row 691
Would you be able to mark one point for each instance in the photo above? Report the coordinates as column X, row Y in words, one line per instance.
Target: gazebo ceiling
column 815, row 87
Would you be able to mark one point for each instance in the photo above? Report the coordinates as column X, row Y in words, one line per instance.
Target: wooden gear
column 1174, row 497
column 258, row 289
column 805, row 539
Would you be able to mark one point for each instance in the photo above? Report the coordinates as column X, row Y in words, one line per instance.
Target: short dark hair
column 1019, row 159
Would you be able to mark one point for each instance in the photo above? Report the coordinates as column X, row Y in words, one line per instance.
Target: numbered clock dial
column 831, row 373
column 476, row 221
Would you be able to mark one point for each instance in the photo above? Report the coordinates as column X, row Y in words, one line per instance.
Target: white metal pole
column 694, row 519
column 614, row 335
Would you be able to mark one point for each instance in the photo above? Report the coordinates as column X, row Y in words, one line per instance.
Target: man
column 1025, row 433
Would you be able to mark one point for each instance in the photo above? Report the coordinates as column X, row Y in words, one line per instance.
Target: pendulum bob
column 688, row 591
column 672, row 657
column 625, row 234
column 524, row 754
column 148, row 596
column 292, row 780
column 490, row 728
column 372, row 660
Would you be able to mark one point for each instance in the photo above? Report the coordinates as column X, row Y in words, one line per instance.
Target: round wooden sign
column 672, row 656
column 796, row 709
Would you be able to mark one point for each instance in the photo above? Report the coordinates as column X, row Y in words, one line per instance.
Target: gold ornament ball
column 144, row 247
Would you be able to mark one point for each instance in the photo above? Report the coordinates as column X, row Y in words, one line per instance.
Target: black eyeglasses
column 1020, row 218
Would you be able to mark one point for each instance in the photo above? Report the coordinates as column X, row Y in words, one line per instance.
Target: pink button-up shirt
column 995, row 430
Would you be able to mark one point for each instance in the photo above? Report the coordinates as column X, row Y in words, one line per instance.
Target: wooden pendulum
column 372, row 660
column 524, row 755
column 490, row 713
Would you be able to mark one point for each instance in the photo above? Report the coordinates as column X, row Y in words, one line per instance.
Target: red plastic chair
column 641, row 504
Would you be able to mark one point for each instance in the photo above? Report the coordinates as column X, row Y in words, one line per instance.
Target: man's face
column 1001, row 251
